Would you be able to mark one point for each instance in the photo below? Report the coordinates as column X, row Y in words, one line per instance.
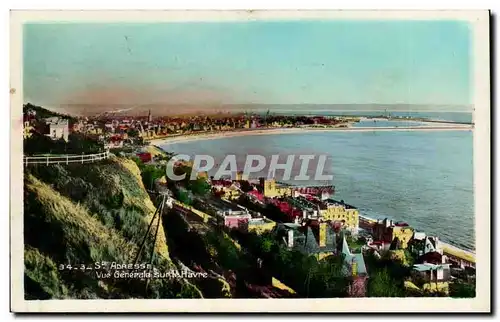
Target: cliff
column 85, row 214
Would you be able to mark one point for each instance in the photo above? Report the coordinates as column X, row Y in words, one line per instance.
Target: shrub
column 42, row 276
column 462, row 290
column 381, row 284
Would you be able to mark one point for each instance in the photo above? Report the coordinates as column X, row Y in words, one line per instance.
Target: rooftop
column 334, row 202
column 260, row 221
column 223, row 205
column 222, row 182
column 302, row 203
column 428, row 267
column 354, row 258
column 306, row 238
column 55, row 120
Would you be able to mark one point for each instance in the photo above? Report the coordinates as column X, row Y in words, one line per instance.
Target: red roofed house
column 144, row 156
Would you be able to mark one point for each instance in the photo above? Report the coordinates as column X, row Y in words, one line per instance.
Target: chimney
column 354, row 269
column 304, row 214
column 322, row 234
column 290, row 238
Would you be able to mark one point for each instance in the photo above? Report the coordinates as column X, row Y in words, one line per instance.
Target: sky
column 272, row 62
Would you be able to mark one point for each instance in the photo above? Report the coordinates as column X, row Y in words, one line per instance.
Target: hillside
column 83, row 214
column 42, row 112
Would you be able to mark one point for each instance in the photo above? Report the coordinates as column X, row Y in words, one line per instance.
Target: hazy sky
column 427, row 62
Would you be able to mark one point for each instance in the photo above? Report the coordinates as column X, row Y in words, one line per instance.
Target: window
column 440, row 272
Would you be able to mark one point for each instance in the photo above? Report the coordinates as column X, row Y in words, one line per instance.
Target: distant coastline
column 273, row 131
column 173, row 109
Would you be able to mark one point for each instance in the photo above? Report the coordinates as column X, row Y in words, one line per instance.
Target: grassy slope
column 83, row 214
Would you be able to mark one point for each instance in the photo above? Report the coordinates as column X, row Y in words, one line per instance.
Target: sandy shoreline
column 275, row 131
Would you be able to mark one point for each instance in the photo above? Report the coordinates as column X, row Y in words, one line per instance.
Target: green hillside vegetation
column 305, row 274
column 39, row 143
column 192, row 248
column 82, row 214
column 44, row 113
column 78, row 143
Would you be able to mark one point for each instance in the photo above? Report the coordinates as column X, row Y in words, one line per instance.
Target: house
column 272, row 189
column 431, row 272
column 387, row 232
column 260, row 225
column 338, row 210
column 229, row 214
column 109, row 127
column 226, row 188
column 422, row 244
column 144, row 156
column 432, row 244
column 256, row 195
column 432, row 277
column 58, row 128
column 323, row 192
column 311, row 238
column 114, row 142
column 308, row 209
column 355, row 270
column 238, row 221
column 232, row 192
column 285, row 207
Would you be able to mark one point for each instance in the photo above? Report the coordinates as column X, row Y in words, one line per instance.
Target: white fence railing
column 66, row 159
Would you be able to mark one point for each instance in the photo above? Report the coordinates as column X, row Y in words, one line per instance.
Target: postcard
column 250, row 161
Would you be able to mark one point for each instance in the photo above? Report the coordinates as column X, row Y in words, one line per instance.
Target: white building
column 58, row 128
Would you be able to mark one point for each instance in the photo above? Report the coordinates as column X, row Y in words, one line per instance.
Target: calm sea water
column 438, row 116
column 385, row 123
column 422, row 178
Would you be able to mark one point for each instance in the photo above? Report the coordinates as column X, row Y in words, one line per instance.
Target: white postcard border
column 479, row 22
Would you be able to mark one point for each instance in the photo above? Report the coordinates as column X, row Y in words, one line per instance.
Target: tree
column 330, row 277
column 199, row 186
column 246, row 186
column 78, row 143
column 381, row 284
column 150, row 174
column 183, row 197
column 133, row 133
column 38, row 144
column 266, row 245
column 462, row 290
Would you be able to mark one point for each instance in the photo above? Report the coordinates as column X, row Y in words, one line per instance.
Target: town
column 116, row 131
column 304, row 220
column 310, row 221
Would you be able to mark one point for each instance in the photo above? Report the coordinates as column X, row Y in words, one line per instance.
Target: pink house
column 236, row 221
column 259, row 196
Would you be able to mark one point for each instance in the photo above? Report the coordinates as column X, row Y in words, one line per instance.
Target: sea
column 422, row 178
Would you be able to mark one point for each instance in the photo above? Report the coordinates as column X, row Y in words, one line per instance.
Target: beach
column 249, row 132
